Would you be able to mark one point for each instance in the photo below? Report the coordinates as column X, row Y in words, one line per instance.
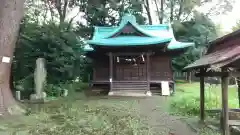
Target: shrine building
column 134, row 59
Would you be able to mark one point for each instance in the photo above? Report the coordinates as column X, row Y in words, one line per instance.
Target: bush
column 57, row 90
column 53, row 90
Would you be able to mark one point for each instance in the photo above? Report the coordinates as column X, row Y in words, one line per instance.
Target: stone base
column 130, row 93
column 38, row 98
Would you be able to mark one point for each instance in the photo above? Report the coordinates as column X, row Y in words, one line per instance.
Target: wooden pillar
column 225, row 109
column 110, row 69
column 189, row 77
column 148, row 71
column 202, row 97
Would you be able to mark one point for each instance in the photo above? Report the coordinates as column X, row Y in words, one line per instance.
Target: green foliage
column 56, row 90
column 189, row 104
column 108, row 13
column 199, row 30
column 53, row 90
column 187, row 99
column 61, row 48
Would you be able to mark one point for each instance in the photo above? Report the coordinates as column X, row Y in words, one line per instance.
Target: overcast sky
column 229, row 20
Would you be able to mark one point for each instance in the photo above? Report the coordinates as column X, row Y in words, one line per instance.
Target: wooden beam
column 148, row 70
column 234, row 122
column 217, row 74
column 225, row 109
column 202, row 97
column 234, row 74
column 110, row 69
column 211, row 74
column 130, row 53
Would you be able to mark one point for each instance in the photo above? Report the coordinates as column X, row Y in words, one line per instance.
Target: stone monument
column 40, row 75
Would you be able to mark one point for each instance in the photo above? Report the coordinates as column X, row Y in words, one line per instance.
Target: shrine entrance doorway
column 130, row 68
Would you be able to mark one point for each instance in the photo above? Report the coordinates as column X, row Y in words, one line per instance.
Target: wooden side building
column 132, row 57
column 222, row 60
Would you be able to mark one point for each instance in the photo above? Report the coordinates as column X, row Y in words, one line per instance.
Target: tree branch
column 65, row 9
column 50, row 8
column 159, row 14
column 162, row 11
column 71, row 20
column 180, row 9
column 59, row 9
column 171, row 10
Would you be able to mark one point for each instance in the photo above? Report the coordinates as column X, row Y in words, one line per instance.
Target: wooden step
column 125, row 88
column 130, row 86
column 129, row 93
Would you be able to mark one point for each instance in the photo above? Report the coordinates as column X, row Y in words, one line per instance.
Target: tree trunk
column 162, row 11
column 171, row 10
column 11, row 13
column 158, row 12
column 147, row 7
column 180, row 10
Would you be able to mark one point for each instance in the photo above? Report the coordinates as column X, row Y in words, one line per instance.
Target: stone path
column 159, row 119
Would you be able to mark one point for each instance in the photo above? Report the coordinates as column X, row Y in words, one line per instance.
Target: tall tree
column 11, row 13
column 199, row 30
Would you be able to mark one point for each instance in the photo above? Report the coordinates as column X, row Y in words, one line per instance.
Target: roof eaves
column 179, row 45
column 194, row 66
column 225, row 62
column 99, row 43
column 218, row 58
column 223, row 38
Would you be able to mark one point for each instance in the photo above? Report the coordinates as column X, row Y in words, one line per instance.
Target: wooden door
column 130, row 72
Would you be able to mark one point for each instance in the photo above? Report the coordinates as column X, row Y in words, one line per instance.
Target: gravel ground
column 162, row 123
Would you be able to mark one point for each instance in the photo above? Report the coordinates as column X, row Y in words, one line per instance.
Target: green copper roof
column 178, row 45
column 129, row 40
column 154, row 34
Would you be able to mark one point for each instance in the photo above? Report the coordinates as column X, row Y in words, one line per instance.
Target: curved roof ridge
column 128, row 18
column 134, row 25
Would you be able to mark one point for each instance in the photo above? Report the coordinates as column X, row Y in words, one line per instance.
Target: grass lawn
column 194, row 88
column 78, row 115
column 187, row 98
